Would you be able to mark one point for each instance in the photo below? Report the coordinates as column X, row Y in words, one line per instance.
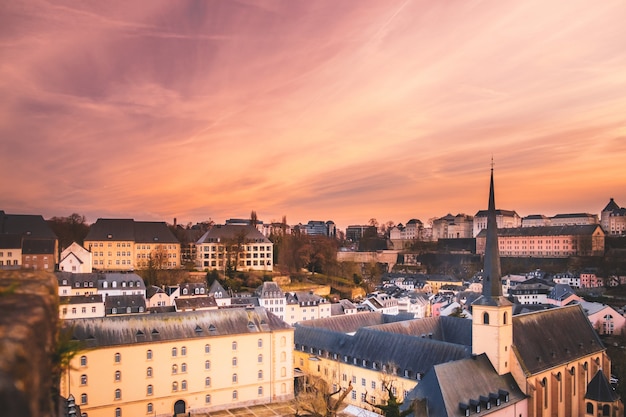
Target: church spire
column 492, row 286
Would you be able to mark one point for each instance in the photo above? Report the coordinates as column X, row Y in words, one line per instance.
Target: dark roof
column 26, row 225
column 536, row 217
column 80, row 299
column 10, row 241
column 611, row 206
column 124, row 301
column 38, row 246
column 144, row 328
column 153, row 290
column 572, row 215
column 552, row 337
column 269, row 290
column 112, row 229
column 154, row 232
column 195, row 303
column 448, row 385
column 584, row 230
column 600, row 390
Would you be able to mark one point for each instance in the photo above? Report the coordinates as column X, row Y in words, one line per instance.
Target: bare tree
column 317, row 401
column 392, row 408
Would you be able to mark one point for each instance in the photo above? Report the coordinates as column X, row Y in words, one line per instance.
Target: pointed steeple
column 492, row 286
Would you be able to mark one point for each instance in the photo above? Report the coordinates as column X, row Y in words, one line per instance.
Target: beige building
column 76, row 259
column 547, row 241
column 305, row 305
column 504, row 219
column 241, row 247
column 453, row 227
column 174, row 363
column 126, row 245
column 613, row 219
column 81, row 307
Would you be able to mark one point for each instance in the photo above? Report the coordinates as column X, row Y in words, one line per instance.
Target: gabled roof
column 549, row 338
column 216, row 287
column 350, row 323
column 269, row 290
column 449, row 385
column 446, row 329
column 145, row 328
column 560, row 292
column 112, row 229
column 600, row 390
column 154, row 232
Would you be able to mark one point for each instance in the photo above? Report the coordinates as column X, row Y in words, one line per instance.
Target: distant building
column 613, row 219
column 404, row 236
column 126, row 245
column 354, row 233
column 81, row 307
column 569, row 219
column 124, row 304
column 535, row 220
column 242, row 247
column 305, row 305
column 547, row 241
column 504, row 218
column 452, row 227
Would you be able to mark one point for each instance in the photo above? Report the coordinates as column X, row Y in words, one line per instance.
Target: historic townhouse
column 126, row 245
column 239, row 247
column 305, row 305
column 547, row 241
column 76, row 259
column 613, row 219
column 174, row 363
column 452, row 227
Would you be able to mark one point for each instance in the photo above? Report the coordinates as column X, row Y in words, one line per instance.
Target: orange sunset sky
column 316, row 110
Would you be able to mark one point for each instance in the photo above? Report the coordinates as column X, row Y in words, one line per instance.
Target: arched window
column 118, row 412
column 259, row 343
column 183, row 368
column 235, row 361
column 150, row 408
column 183, row 385
column 83, row 380
column 234, row 345
column 149, row 390
column 260, row 390
column 118, row 394
column 183, row 351
column 590, row 408
column 174, row 352
column 83, row 361
column 207, row 381
column 207, row 398
column 118, row 376
column 606, row 410
column 259, row 359
column 544, row 383
column 260, row 374
column 234, row 378
column 207, row 365
column 207, row 348
column 174, row 369
column 485, row 318
column 118, row 358
column 504, row 318
column 83, row 398
column 149, row 372
column 174, row 386
column 235, row 395
column 149, row 355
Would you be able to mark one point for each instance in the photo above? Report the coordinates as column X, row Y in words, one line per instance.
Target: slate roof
column 38, row 246
column 195, row 303
column 146, row 328
column 81, row 299
column 611, row 206
column 581, row 230
column 483, row 213
column 448, row 385
column 350, row 323
column 600, row 390
column 572, row 215
column 216, row 287
column 153, row 232
column 117, row 229
column 269, row 290
column 304, row 298
column 25, row 224
column 561, row 292
column 446, row 329
column 10, row 241
column 153, row 290
column 552, row 337
column 122, row 302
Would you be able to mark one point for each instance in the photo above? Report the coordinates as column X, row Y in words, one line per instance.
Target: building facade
column 504, row 219
column 175, row 363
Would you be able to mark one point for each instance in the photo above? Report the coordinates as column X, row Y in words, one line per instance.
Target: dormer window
column 109, row 236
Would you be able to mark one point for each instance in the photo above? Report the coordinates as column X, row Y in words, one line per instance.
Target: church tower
column 492, row 328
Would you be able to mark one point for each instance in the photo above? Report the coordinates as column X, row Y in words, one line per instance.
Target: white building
column 504, row 218
column 75, row 259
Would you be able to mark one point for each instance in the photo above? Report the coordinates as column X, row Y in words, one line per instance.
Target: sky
column 313, row 110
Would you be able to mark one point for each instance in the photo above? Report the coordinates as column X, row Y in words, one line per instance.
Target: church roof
column 549, row 338
column 452, row 385
column 600, row 390
column 611, row 206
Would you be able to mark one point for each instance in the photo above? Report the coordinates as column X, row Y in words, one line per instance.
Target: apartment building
column 239, row 247
column 126, row 245
column 305, row 305
column 547, row 241
column 453, row 227
column 26, row 241
column 175, row 363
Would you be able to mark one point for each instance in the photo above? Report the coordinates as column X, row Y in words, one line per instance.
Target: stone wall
column 28, row 326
